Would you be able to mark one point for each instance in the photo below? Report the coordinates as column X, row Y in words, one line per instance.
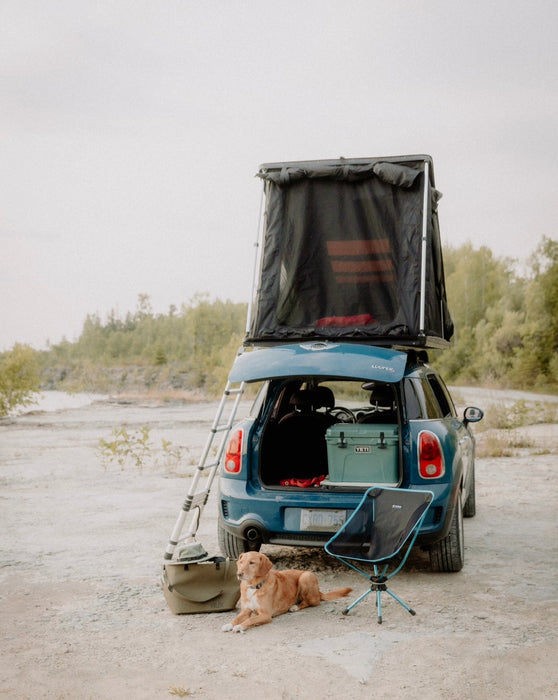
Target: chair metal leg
column 352, row 605
column 407, row 608
column 378, row 588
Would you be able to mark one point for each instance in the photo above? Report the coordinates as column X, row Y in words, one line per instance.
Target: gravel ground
column 83, row 616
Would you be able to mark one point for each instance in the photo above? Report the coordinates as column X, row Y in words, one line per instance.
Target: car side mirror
column 472, row 415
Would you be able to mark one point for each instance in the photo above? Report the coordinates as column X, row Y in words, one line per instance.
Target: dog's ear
column 241, row 557
column 265, row 565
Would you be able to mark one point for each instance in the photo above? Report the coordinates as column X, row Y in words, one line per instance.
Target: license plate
column 320, row 520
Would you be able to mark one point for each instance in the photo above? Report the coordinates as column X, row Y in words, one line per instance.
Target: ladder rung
column 205, row 467
column 197, row 499
column 221, row 428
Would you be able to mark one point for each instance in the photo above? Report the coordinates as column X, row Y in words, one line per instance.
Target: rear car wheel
column 448, row 554
column 232, row 546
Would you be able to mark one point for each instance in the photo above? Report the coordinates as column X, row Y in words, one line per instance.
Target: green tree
column 535, row 358
column 481, row 291
column 507, row 325
column 19, row 378
column 476, row 281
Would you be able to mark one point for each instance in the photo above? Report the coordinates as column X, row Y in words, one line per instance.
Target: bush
column 19, row 378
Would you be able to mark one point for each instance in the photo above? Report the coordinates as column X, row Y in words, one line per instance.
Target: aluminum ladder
column 207, row 468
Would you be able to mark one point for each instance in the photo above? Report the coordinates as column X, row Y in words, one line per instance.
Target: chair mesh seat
column 380, row 526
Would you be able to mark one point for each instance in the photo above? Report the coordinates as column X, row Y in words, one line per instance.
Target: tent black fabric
column 342, row 253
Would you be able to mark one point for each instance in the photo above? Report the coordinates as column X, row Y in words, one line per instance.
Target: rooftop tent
column 351, row 250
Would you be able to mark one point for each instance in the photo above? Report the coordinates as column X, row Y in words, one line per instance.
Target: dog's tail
column 337, row 593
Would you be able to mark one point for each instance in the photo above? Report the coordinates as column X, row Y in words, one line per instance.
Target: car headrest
column 319, row 397
column 382, row 395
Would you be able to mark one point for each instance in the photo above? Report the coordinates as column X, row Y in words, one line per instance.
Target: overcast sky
column 131, row 130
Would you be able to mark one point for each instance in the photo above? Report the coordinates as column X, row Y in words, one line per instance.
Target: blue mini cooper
column 329, row 421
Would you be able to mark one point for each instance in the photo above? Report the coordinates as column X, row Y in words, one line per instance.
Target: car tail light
column 431, row 459
column 233, row 455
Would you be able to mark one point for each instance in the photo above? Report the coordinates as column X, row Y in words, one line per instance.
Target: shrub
column 19, row 378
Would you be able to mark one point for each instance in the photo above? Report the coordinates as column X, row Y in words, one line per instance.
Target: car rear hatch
column 320, row 359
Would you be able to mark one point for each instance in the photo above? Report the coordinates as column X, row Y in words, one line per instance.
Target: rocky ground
column 82, row 614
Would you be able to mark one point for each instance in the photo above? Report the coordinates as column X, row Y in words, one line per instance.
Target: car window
column 412, row 403
column 258, row 402
column 442, row 397
column 447, row 395
column 282, row 396
column 433, row 409
column 348, row 393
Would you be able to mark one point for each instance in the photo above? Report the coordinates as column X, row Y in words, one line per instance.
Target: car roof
column 320, row 359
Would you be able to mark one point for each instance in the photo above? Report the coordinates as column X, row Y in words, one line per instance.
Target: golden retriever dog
column 266, row 592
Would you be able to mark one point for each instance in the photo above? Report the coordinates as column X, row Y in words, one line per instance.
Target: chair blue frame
column 386, row 521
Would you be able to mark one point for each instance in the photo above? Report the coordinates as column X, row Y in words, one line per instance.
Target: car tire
column 232, row 546
column 448, row 555
column 470, row 506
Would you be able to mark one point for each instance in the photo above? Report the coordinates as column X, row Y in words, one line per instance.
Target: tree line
column 506, row 321
column 191, row 347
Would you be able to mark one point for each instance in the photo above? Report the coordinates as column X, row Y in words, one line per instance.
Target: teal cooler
column 365, row 453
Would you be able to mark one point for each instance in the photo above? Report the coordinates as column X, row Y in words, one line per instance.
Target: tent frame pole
column 257, row 246
column 424, row 248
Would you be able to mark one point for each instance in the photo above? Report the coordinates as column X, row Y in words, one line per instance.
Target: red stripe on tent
column 359, row 279
column 340, row 321
column 361, row 265
column 359, row 247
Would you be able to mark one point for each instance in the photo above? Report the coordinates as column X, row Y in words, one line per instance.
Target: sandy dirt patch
column 82, row 614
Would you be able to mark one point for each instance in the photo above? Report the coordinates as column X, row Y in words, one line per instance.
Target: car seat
column 302, row 433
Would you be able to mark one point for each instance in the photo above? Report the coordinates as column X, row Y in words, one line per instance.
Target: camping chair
column 384, row 522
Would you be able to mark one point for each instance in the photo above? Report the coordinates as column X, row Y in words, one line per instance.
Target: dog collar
column 260, row 584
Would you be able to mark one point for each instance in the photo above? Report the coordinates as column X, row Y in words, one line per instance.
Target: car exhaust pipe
column 252, row 534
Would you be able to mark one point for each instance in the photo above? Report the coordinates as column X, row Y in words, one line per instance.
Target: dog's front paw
column 294, row 608
column 227, row 628
column 238, row 628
